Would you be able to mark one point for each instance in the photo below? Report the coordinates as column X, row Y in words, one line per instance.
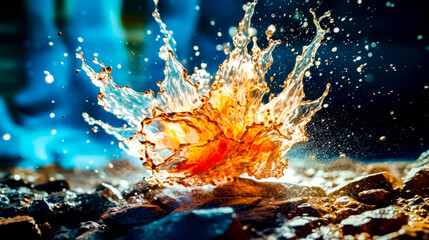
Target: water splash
column 202, row 129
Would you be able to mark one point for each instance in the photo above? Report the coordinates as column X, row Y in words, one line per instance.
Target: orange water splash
column 201, row 129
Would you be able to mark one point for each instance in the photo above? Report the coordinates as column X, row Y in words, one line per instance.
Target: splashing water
column 201, row 129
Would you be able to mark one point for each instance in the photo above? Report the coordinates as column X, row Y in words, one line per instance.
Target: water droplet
column 270, row 31
column 48, row 78
column 6, row 137
column 232, row 31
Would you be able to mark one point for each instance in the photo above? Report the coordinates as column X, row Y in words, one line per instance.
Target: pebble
column 133, row 215
column 353, row 188
column 193, row 225
column 376, row 222
column 20, row 227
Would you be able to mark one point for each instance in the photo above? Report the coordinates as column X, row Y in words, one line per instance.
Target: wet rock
column 197, row 224
column 13, row 202
column 193, row 200
column 168, row 204
column 300, row 226
column 260, row 217
column 40, row 210
column 133, row 215
column 421, row 162
column 45, row 228
column 14, row 181
column 93, row 205
column 9, row 211
column 109, row 191
column 261, row 208
column 307, row 209
column 376, row 222
column 236, row 231
column 288, row 206
column 242, row 187
column 417, row 182
column 53, row 186
column 302, row 207
column 237, row 203
column 395, row 168
column 66, row 204
column 414, row 230
column 19, row 227
column 416, row 200
column 374, row 196
column 64, row 233
column 353, row 188
column 90, row 231
column 346, row 206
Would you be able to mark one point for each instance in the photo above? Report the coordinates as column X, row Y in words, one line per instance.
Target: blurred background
column 376, row 58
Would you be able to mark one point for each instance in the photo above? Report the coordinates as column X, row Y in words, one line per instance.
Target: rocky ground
column 338, row 200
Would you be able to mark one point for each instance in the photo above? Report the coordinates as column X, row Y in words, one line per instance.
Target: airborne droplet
column 48, row 78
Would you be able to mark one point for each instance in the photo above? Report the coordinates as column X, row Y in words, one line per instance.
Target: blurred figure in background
column 43, row 123
column 48, row 126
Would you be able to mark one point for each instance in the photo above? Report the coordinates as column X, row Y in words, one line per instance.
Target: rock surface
column 353, row 188
column 242, row 187
column 375, row 222
column 53, row 186
column 196, row 224
column 374, row 196
column 133, row 215
column 339, row 200
column 19, row 227
column 418, row 182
